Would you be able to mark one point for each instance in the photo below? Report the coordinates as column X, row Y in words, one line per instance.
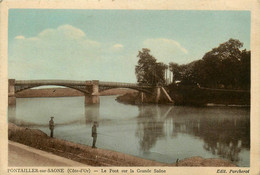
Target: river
column 157, row 132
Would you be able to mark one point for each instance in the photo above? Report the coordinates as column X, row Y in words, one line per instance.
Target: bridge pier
column 93, row 96
column 161, row 95
column 158, row 95
column 153, row 97
column 11, row 92
column 91, row 99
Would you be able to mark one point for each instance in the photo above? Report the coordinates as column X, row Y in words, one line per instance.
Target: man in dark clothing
column 94, row 134
column 51, row 126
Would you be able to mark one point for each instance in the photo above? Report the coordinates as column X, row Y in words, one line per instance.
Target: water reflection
column 224, row 137
column 12, row 113
column 92, row 113
column 158, row 132
column 149, row 126
column 223, row 133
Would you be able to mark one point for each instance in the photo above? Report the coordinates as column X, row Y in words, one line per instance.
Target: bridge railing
column 77, row 83
column 118, row 84
column 49, row 82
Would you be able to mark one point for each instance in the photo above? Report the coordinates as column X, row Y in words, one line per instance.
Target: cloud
column 63, row 42
column 60, row 52
column 165, row 50
column 117, row 47
column 65, row 31
column 64, row 52
column 19, row 37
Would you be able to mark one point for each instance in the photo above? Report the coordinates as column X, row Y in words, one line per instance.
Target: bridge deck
column 49, row 82
column 78, row 83
column 118, row 84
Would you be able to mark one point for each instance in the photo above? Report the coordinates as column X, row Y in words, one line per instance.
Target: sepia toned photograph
column 128, row 88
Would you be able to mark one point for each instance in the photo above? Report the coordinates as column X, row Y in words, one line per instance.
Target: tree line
column 226, row 67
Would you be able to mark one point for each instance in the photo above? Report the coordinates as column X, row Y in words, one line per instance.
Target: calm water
column 157, row 132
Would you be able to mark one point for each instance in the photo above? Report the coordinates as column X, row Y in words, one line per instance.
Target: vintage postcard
column 130, row 87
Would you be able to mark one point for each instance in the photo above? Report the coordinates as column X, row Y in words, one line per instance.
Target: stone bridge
column 91, row 88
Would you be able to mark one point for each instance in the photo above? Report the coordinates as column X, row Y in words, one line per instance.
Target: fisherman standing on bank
column 51, row 126
column 94, row 134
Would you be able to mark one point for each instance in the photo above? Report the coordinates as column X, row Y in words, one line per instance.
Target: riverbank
column 95, row 157
column 196, row 97
column 128, row 98
column 200, row 96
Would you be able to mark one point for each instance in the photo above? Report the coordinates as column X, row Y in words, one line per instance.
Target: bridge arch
column 103, row 89
column 20, row 85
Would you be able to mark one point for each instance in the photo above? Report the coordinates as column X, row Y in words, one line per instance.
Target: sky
column 103, row 44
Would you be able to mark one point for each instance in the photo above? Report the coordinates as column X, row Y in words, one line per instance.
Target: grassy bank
column 95, row 157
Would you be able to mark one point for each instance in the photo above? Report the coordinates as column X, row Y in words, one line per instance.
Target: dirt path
column 22, row 155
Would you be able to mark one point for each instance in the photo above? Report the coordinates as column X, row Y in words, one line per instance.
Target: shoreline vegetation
column 96, row 157
column 195, row 96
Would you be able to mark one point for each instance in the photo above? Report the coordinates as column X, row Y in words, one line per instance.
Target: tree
column 221, row 66
column 148, row 71
column 225, row 66
column 244, row 70
column 228, row 50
